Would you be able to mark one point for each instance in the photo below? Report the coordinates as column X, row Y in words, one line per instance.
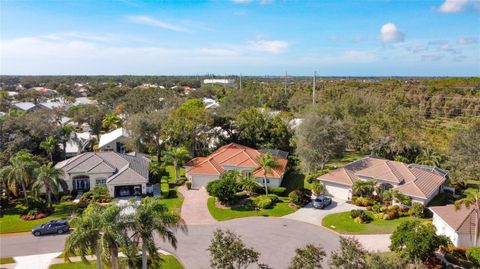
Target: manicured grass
column 12, row 223
column 175, row 198
column 7, row 260
column 280, row 209
column 169, row 262
column 343, row 223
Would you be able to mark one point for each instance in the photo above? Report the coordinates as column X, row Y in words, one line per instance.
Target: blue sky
column 252, row 37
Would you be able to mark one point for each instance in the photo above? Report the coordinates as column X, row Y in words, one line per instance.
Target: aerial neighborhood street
column 239, row 134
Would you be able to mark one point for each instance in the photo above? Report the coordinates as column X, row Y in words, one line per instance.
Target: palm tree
column 49, row 145
column 85, row 239
column 152, row 216
column 429, row 157
column 20, row 171
column 111, row 122
column 266, row 163
column 176, row 157
column 249, row 185
column 472, row 200
column 49, row 178
column 362, row 188
column 113, row 234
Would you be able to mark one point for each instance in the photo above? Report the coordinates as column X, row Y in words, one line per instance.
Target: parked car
column 321, row 202
column 51, row 227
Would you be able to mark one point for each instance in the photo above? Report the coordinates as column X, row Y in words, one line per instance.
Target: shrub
column 189, row 185
column 263, row 202
column 277, row 190
column 164, row 189
column 225, row 188
column 418, row 210
column 473, row 255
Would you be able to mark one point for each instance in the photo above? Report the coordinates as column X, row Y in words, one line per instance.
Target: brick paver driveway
column 194, row 208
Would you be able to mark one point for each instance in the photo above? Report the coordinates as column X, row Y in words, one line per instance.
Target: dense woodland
column 407, row 119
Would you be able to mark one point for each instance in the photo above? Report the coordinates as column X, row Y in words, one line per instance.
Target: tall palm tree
column 472, row 200
column 20, row 172
column 266, row 163
column 49, row 145
column 113, row 234
column 49, row 178
column 152, row 216
column 85, row 239
column 111, row 122
column 429, row 157
column 176, row 157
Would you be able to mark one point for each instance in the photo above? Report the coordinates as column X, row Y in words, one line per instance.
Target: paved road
column 275, row 238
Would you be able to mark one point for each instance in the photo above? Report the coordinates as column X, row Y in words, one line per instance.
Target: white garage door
column 338, row 191
column 199, row 181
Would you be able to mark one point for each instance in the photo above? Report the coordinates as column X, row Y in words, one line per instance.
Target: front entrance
column 81, row 183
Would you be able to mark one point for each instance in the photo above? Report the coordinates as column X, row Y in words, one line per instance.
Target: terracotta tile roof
column 461, row 220
column 413, row 180
column 232, row 155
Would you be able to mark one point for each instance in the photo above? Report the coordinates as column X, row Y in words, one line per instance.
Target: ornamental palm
column 152, row 216
column 49, row 145
column 176, row 157
column 49, row 178
column 267, row 163
column 20, row 172
column 111, row 122
column 472, row 200
column 85, row 239
column 429, row 157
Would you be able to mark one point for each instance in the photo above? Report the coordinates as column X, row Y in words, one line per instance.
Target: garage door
column 338, row 191
column 199, row 181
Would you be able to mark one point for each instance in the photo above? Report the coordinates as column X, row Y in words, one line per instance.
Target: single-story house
column 122, row 174
column 114, row 141
column 420, row 182
column 456, row 224
column 202, row 170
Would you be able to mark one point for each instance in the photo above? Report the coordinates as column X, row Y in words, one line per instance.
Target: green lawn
column 343, row 223
column 7, row 260
column 169, row 262
column 175, row 198
column 12, row 223
column 280, row 209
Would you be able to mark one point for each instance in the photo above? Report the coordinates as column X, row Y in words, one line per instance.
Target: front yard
column 343, row 223
column 281, row 208
column 12, row 223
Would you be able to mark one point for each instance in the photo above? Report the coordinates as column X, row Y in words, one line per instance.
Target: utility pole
column 240, row 81
column 285, row 83
column 314, row 88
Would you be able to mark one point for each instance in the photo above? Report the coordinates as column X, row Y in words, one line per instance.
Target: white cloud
column 453, row 6
column 146, row 20
column 272, row 46
column 467, row 41
column 389, row 33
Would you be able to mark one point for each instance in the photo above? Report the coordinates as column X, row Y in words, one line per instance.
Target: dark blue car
column 51, row 227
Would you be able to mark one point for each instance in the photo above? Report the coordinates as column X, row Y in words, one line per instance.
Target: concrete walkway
column 41, row 261
column 194, row 208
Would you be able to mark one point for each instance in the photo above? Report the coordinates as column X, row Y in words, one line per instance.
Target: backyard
column 343, row 223
column 11, row 222
column 280, row 209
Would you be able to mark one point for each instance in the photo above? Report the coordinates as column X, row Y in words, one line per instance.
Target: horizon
column 435, row 38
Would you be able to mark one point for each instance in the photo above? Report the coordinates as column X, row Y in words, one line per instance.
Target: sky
column 249, row 37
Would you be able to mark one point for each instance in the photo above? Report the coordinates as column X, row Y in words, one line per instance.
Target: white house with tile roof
column 122, row 174
column 420, row 182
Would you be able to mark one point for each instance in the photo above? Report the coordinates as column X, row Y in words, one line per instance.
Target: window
column 100, row 181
